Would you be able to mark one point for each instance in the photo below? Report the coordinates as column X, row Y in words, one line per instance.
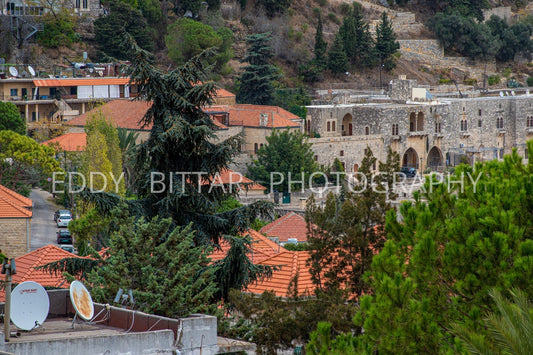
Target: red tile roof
column 69, row 142
column 124, row 114
column 293, row 266
column 230, row 177
column 80, row 82
column 262, row 248
column 15, row 197
column 249, row 115
column 26, row 267
column 13, row 205
column 291, row 225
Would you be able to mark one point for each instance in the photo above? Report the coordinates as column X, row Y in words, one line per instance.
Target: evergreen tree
column 349, row 232
column 320, row 44
column 10, row 118
column 168, row 275
column 386, row 43
column 337, row 59
column 356, row 37
column 257, row 80
column 286, row 153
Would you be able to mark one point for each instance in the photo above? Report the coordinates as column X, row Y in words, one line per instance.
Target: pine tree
column 357, row 40
column 320, row 44
column 386, row 43
column 337, row 59
column 349, row 231
column 257, row 80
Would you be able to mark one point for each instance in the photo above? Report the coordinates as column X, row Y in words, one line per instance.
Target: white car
column 63, row 220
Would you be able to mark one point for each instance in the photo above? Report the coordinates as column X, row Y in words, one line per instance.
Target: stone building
column 15, row 223
column 429, row 133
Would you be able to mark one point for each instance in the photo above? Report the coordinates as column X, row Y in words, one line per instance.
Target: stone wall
column 14, row 236
column 446, row 130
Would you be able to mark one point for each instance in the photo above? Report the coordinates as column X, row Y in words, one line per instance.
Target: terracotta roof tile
column 249, row 115
column 293, row 264
column 70, row 142
column 15, row 197
column 228, row 176
column 124, row 114
column 291, row 225
column 26, row 267
column 262, row 248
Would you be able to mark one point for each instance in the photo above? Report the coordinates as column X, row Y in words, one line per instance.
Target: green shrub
column 507, row 72
column 323, row 3
column 333, row 18
column 316, row 11
column 444, row 81
column 530, row 81
column 58, row 31
column 470, row 81
column 494, row 79
column 305, row 27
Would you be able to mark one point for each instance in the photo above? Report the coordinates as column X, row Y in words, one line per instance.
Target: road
column 43, row 227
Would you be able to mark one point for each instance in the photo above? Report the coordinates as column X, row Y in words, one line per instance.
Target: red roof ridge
column 22, row 212
column 24, row 201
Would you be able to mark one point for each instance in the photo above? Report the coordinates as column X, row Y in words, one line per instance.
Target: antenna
column 81, row 301
column 31, row 70
column 30, row 305
column 13, row 71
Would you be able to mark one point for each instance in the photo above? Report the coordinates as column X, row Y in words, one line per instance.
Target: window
column 341, row 153
column 437, row 127
column 463, row 109
column 85, row 4
column 374, row 166
column 464, row 125
column 479, row 112
column 33, row 116
column 14, row 92
column 261, row 146
column 78, row 4
column 333, row 126
column 394, row 129
column 367, row 130
column 328, row 126
column 479, row 123
column 316, row 157
column 499, row 123
column 530, row 121
column 256, row 147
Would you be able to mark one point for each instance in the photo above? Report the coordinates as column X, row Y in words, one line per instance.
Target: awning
column 80, row 82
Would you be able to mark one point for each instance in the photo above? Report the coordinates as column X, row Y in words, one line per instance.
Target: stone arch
column 412, row 122
column 420, row 121
column 347, row 125
column 410, row 158
column 435, row 159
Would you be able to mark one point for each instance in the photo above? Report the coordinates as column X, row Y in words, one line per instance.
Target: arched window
column 420, row 122
column 367, row 130
column 333, row 126
column 412, row 122
column 256, row 147
column 328, row 127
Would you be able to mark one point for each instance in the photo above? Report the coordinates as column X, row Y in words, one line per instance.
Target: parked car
column 64, row 237
column 61, row 212
column 69, row 248
column 63, row 220
column 409, row 172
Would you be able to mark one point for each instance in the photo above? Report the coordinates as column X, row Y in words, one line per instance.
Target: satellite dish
column 81, row 300
column 13, row 71
column 29, row 305
column 31, row 70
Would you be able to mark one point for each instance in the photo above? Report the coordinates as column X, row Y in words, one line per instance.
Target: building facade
column 428, row 134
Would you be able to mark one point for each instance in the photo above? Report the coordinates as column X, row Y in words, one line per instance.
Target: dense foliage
column 257, row 80
column 59, row 30
column 24, row 162
column 109, row 30
column 386, row 43
column 356, row 38
column 10, row 118
column 287, row 154
column 439, row 264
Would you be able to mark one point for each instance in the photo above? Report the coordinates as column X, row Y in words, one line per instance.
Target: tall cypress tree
column 357, row 40
column 386, row 43
column 259, row 75
column 320, row 44
column 337, row 59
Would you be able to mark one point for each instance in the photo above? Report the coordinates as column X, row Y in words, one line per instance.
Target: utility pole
column 9, row 269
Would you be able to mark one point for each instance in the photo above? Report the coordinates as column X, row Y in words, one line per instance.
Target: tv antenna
column 30, row 305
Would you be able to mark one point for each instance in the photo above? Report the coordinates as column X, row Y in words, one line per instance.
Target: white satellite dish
column 13, row 71
column 31, row 70
column 29, row 305
column 81, row 300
